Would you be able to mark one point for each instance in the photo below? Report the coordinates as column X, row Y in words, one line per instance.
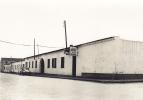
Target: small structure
column 6, row 62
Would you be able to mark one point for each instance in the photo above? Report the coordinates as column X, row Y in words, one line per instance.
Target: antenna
column 65, row 33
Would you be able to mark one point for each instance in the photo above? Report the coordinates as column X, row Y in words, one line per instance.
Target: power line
column 14, row 43
column 26, row 44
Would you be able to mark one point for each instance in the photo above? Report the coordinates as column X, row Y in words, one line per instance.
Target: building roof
column 11, row 59
column 87, row 43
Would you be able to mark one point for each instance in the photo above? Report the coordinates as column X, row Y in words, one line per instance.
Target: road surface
column 15, row 87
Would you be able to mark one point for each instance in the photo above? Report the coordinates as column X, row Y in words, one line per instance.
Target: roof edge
column 99, row 40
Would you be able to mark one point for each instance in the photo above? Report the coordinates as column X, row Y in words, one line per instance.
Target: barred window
column 26, row 64
column 54, row 62
column 35, row 64
column 48, row 63
column 62, row 62
column 29, row 64
column 32, row 64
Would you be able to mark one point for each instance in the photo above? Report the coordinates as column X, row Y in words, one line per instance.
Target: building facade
column 6, row 63
column 105, row 56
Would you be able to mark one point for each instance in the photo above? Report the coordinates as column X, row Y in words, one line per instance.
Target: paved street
column 15, row 87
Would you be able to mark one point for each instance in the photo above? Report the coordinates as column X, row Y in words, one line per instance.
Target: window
column 54, row 62
column 62, row 62
column 29, row 64
column 26, row 64
column 32, row 64
column 35, row 64
column 48, row 64
column 6, row 62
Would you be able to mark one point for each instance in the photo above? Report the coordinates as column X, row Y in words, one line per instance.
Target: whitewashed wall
column 99, row 57
column 7, row 68
column 32, row 69
column 130, row 58
column 16, row 67
column 67, row 70
column 107, row 56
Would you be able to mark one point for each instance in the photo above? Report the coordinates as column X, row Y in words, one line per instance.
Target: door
column 74, row 66
column 42, row 66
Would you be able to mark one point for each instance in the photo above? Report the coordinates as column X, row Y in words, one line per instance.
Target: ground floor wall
column 130, row 58
column 113, row 56
column 118, row 59
column 44, row 63
column 99, row 57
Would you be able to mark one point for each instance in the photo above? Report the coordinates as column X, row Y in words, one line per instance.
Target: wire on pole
column 26, row 44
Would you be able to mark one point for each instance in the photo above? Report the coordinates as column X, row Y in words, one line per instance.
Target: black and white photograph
column 71, row 49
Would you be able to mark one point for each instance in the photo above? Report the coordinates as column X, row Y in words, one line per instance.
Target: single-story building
column 102, row 58
column 5, row 63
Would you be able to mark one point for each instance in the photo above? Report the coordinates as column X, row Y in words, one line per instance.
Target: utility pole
column 68, row 52
column 65, row 33
column 38, row 49
column 34, row 48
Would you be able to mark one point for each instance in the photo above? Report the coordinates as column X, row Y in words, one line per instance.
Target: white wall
column 117, row 56
column 7, row 68
column 67, row 70
column 32, row 69
column 100, row 57
column 108, row 56
column 16, row 67
column 130, row 57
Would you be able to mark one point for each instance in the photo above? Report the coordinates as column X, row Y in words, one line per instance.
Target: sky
column 87, row 20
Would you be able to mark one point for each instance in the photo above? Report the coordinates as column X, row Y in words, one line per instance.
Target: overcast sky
column 87, row 20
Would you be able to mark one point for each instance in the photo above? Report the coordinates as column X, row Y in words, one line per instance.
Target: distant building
column 0, row 66
column 8, row 61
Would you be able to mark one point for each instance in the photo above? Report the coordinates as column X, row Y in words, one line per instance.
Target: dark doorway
column 42, row 66
column 74, row 66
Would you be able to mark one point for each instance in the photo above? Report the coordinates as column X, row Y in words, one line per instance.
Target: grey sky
column 87, row 20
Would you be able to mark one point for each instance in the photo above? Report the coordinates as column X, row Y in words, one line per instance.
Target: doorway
column 42, row 66
column 74, row 66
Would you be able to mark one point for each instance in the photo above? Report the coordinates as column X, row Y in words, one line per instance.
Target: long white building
column 93, row 59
